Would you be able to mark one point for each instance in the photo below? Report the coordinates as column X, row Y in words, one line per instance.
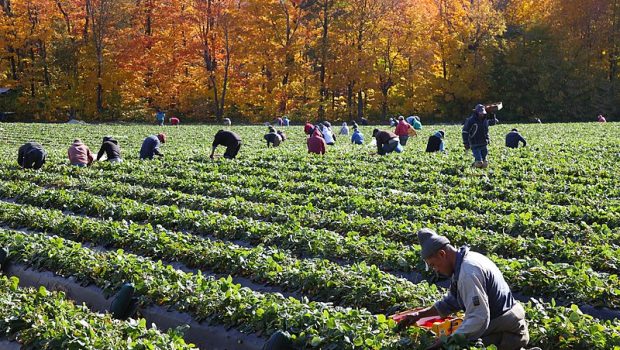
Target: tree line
column 308, row 59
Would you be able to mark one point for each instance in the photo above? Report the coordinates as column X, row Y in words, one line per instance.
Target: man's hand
column 211, row 156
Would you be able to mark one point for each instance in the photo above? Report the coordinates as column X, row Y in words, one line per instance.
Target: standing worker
column 513, row 138
column 476, row 135
column 31, row 155
column 160, row 116
column 435, row 142
column 477, row 287
column 79, row 154
column 387, row 142
column 228, row 139
column 111, row 149
column 150, row 146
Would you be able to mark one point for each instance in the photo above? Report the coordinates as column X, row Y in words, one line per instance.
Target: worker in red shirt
column 174, row 121
column 316, row 143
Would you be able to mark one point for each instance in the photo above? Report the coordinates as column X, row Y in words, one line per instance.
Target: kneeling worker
column 31, row 155
column 479, row 288
column 230, row 140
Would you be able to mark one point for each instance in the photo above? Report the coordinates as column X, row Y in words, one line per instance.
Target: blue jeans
column 480, row 153
column 403, row 140
column 393, row 146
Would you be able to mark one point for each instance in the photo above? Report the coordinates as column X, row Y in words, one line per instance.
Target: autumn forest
column 254, row 60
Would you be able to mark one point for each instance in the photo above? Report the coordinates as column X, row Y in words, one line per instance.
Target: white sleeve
column 476, row 301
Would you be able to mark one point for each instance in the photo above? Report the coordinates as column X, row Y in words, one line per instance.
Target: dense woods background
column 338, row 59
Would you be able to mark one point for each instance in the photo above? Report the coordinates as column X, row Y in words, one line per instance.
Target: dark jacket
column 435, row 143
column 31, row 155
column 383, row 138
column 476, row 130
column 150, row 147
column 273, row 138
column 110, row 148
column 227, row 139
column 513, row 138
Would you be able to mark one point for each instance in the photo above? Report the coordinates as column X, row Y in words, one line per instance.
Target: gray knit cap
column 430, row 242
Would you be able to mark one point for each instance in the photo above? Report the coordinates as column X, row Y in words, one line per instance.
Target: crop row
column 359, row 285
column 216, row 301
column 563, row 281
column 600, row 253
column 39, row 319
column 393, row 215
column 312, row 324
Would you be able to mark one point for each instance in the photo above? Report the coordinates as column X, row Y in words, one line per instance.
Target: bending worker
column 150, row 146
column 513, row 138
column 228, row 139
column 479, row 288
column 31, row 155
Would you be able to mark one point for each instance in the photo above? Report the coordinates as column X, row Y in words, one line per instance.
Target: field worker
column 363, row 121
column 316, row 142
column 150, row 146
column 308, row 128
column 478, row 288
column 354, row 125
column 227, row 122
column 174, row 121
column 435, row 142
column 328, row 135
column 282, row 135
column 160, row 116
column 357, row 137
column 393, row 122
column 228, row 139
column 286, row 121
column 414, row 120
column 31, row 155
column 387, row 142
column 280, row 121
column 402, row 130
column 513, row 138
column 601, row 119
column 111, row 149
column 79, row 154
column 476, row 135
column 344, row 130
column 272, row 137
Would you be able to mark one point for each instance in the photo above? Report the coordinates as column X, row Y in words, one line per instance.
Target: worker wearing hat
column 150, row 146
column 476, row 135
column 477, row 287
column 513, row 138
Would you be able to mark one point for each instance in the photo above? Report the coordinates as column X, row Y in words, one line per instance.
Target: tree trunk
column 324, row 42
column 360, row 104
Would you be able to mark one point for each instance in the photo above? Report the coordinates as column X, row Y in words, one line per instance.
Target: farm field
column 322, row 247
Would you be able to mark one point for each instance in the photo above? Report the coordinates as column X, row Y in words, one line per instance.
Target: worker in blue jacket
column 476, row 135
column 513, row 138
